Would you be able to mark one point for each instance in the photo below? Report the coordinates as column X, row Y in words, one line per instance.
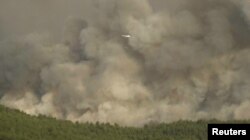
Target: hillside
column 15, row 125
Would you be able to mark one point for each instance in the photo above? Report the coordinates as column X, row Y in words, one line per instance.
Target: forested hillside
column 15, row 125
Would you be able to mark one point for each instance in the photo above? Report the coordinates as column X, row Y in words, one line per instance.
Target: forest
column 16, row 125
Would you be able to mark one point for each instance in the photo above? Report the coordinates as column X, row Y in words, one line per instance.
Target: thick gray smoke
column 184, row 60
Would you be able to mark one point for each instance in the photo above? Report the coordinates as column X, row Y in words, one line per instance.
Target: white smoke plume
column 184, row 60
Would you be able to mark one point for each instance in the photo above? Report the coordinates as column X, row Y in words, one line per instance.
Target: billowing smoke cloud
column 184, row 60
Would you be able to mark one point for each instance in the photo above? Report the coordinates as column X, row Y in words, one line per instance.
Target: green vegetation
column 15, row 125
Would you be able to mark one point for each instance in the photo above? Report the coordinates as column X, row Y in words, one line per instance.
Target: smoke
column 184, row 60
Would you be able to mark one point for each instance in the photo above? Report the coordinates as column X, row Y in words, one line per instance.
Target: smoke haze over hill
column 184, row 60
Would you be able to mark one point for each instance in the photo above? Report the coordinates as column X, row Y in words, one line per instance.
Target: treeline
column 15, row 125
